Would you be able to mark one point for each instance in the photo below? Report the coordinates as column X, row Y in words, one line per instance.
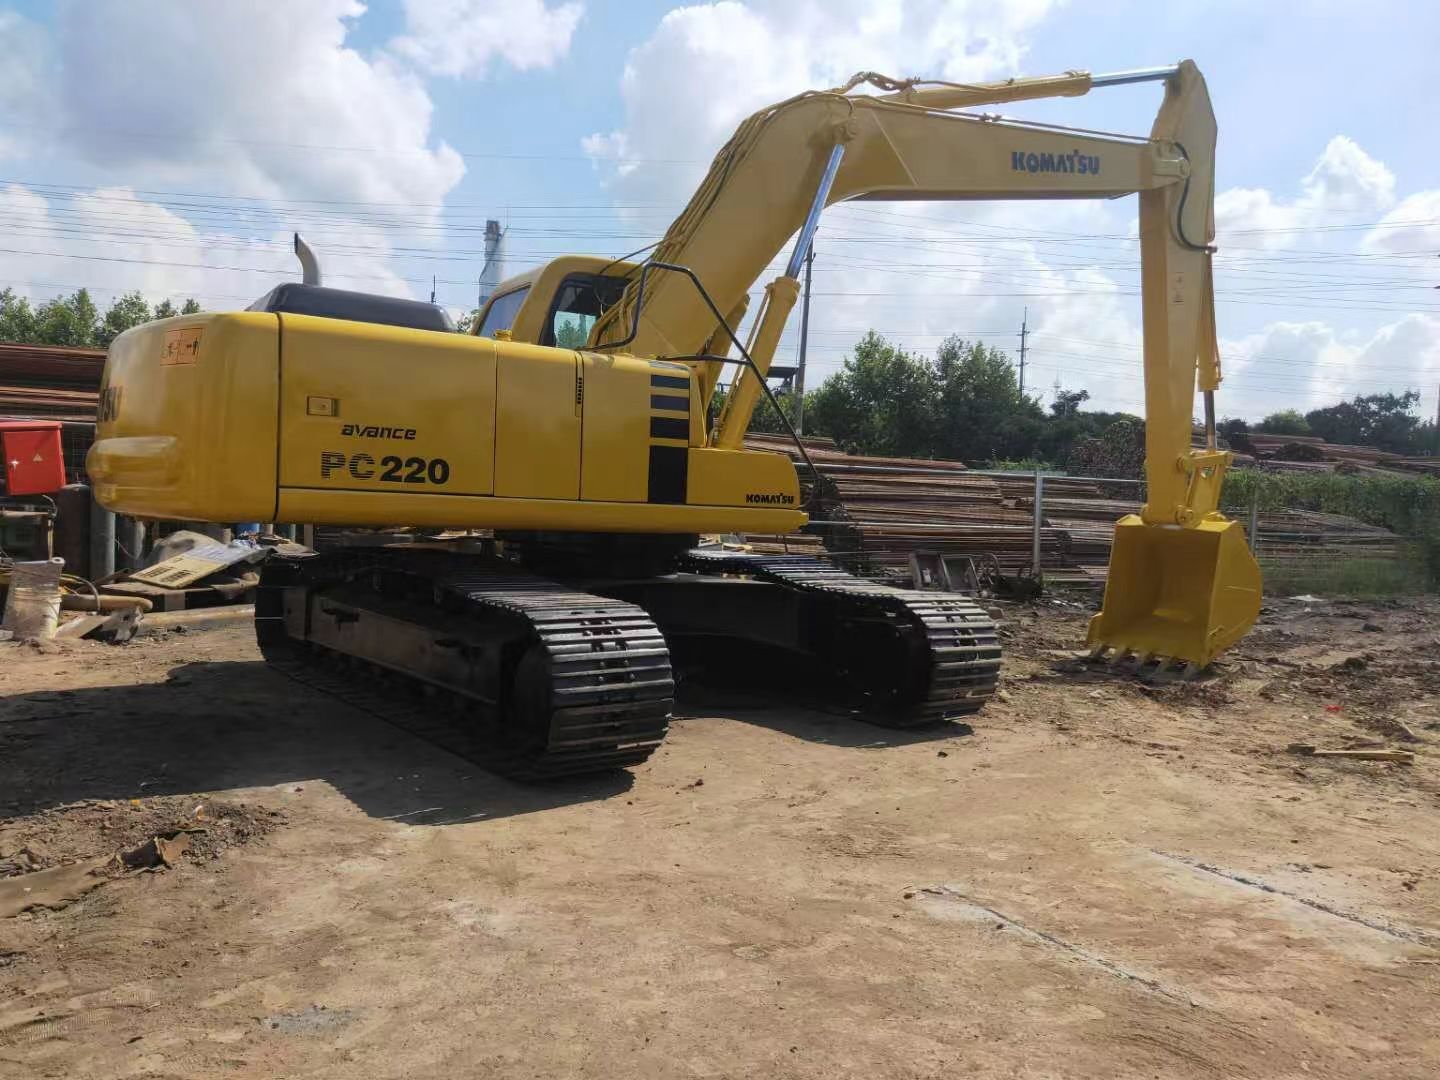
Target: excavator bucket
column 1181, row 594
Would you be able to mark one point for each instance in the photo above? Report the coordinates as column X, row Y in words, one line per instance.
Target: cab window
column 503, row 310
column 579, row 303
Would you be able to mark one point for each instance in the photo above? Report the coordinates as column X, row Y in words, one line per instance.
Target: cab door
column 537, row 422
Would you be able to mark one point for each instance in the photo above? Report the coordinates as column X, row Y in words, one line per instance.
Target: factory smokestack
column 493, row 271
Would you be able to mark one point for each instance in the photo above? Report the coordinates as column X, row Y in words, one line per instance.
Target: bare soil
column 1103, row 879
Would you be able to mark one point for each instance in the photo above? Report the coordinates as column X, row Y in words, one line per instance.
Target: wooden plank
column 1404, row 757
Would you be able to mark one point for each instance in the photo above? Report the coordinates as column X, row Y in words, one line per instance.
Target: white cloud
column 1345, row 180
column 465, row 37
column 1309, row 365
column 111, row 241
column 26, row 105
column 245, row 98
column 968, row 270
column 1413, row 226
column 707, row 66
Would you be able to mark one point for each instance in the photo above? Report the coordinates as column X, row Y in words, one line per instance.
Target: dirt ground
column 1105, row 879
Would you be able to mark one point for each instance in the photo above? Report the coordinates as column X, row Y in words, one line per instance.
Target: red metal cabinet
column 34, row 462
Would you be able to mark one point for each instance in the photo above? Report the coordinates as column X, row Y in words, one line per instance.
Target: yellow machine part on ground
column 277, row 417
column 1182, row 593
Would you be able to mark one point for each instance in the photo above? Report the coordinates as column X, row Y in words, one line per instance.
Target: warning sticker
column 181, row 346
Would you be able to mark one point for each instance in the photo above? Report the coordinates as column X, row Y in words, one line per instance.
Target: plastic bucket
column 32, row 604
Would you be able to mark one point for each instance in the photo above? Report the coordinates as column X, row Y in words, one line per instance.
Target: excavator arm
column 1182, row 583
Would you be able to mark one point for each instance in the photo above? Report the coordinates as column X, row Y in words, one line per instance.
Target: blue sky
column 170, row 146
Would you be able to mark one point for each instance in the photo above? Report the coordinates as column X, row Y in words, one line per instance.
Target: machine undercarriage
column 542, row 677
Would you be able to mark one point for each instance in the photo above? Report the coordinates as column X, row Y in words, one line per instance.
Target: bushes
column 1408, row 505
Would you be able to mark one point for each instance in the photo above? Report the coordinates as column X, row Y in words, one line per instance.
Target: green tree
column 763, row 419
column 1067, row 403
column 1284, row 422
column 166, row 309
column 883, row 400
column 127, row 311
column 571, row 334
column 1384, row 421
column 68, row 320
column 1068, row 426
column 466, row 323
column 17, row 318
column 982, row 414
column 1236, row 433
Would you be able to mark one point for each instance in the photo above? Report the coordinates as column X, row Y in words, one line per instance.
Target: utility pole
column 1024, row 331
column 799, row 382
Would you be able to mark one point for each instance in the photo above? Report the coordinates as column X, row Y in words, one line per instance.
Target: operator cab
column 556, row 305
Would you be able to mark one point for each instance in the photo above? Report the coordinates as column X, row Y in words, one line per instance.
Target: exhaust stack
column 309, row 263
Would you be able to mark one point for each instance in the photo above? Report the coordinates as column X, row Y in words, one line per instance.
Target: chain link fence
column 1300, row 549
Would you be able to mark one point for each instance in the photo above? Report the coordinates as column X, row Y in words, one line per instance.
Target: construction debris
column 200, row 573
column 53, row 888
column 1404, row 757
column 53, row 859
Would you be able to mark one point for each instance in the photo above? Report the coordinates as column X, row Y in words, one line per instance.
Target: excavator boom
column 1182, row 582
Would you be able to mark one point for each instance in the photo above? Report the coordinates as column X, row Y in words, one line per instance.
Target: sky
column 172, row 147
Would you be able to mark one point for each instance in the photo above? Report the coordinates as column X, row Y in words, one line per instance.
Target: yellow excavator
column 596, row 469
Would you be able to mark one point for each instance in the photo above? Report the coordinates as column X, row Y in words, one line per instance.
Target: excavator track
column 951, row 664
column 514, row 672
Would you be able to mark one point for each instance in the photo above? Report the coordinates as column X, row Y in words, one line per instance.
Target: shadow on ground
column 788, row 693
column 215, row 726
column 794, row 713
column 236, row 724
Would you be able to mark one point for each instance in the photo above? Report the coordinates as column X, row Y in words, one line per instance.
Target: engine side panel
column 381, row 425
column 367, row 408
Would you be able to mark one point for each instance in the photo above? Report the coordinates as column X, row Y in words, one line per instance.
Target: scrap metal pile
column 1306, row 453
column 41, row 382
column 883, row 510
